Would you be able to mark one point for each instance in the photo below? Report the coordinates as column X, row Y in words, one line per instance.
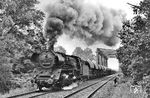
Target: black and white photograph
column 74, row 48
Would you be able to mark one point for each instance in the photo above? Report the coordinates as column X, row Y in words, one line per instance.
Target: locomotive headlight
column 65, row 76
column 74, row 77
column 52, row 76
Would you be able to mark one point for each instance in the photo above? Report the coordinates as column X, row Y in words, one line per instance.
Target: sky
column 115, row 4
column 71, row 44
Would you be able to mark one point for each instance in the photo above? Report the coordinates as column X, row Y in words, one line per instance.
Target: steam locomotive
column 58, row 70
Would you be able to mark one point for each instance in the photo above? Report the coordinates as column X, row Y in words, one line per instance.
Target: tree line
column 134, row 55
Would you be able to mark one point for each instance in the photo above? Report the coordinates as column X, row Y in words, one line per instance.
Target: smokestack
column 79, row 19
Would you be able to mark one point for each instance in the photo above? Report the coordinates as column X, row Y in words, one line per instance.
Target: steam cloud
column 78, row 18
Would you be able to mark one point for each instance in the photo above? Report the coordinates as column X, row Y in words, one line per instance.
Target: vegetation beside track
column 120, row 90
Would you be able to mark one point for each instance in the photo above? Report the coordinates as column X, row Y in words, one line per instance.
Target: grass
column 25, row 86
column 121, row 90
column 17, row 91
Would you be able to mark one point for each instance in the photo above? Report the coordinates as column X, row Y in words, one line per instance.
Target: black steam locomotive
column 58, row 70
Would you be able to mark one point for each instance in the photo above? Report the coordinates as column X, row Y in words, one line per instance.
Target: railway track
column 89, row 91
column 32, row 94
column 74, row 93
column 22, row 94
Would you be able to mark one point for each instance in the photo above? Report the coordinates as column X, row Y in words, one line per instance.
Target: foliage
column 20, row 35
column 5, row 76
column 123, row 91
column 85, row 54
column 146, row 85
column 134, row 55
column 60, row 49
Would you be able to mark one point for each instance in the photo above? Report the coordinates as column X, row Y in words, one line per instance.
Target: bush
column 145, row 83
column 5, row 78
column 123, row 91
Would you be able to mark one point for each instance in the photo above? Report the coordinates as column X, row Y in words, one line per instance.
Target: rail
column 93, row 92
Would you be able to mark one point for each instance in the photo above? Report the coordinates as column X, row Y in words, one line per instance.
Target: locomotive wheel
column 56, row 87
column 80, row 81
column 40, row 88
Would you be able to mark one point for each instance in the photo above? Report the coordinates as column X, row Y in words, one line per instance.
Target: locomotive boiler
column 58, row 70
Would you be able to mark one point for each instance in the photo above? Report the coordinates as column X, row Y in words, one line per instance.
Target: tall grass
column 120, row 90
column 123, row 91
column 16, row 92
column 24, row 86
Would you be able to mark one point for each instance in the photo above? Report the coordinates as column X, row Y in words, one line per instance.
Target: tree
column 20, row 34
column 88, row 54
column 85, row 54
column 135, row 36
column 60, row 49
column 78, row 52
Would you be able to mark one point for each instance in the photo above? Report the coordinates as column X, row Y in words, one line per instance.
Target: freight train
column 58, row 70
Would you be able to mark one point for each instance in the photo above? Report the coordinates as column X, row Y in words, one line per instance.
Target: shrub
column 5, row 78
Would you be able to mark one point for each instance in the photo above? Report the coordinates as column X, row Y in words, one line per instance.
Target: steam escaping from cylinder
column 83, row 20
column 73, row 85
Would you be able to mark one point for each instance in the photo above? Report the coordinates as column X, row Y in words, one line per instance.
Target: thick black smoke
column 80, row 19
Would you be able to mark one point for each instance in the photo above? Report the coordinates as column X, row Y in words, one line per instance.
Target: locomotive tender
column 58, row 70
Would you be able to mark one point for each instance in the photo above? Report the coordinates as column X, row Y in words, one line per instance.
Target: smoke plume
column 80, row 19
